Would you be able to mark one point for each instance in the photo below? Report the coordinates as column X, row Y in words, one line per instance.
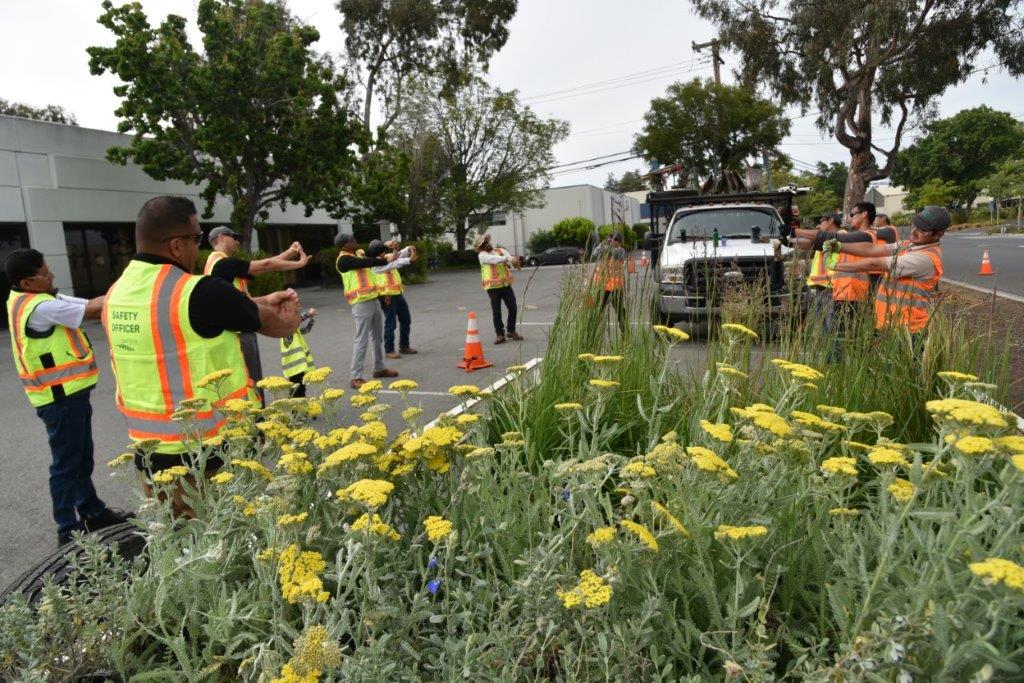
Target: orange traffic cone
column 986, row 265
column 473, row 358
column 632, row 265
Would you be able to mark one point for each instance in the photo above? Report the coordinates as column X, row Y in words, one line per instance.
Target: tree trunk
column 862, row 167
column 460, row 234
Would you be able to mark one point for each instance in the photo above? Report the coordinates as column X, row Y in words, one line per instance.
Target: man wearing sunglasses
column 222, row 263
column 54, row 359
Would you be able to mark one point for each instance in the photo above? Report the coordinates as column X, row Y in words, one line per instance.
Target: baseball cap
column 341, row 238
column 223, row 230
column 375, row 248
column 931, row 219
column 480, row 241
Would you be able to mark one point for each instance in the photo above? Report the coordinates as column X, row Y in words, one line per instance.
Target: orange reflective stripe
column 43, row 385
column 19, row 327
column 75, row 339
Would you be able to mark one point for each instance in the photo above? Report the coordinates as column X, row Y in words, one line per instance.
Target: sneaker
column 392, row 355
column 514, row 336
column 500, row 339
column 108, row 517
column 386, row 372
column 356, row 383
column 408, row 351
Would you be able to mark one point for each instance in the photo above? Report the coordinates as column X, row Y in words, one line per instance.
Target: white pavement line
column 518, row 324
column 531, row 366
column 986, row 290
column 415, row 393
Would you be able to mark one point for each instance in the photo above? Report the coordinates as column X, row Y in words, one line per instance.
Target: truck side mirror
column 652, row 241
column 755, row 233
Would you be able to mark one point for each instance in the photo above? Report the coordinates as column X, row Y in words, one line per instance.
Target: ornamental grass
column 852, row 519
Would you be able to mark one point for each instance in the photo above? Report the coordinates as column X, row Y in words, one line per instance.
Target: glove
column 831, row 246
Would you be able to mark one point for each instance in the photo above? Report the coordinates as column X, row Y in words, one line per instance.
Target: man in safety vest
column 362, row 289
column 821, row 268
column 222, row 263
column 610, row 275
column 496, row 277
column 173, row 335
column 912, row 270
column 55, row 363
column 392, row 299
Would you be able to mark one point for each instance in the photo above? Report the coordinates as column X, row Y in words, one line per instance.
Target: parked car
column 556, row 256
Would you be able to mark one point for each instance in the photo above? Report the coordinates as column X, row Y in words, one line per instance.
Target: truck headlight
column 672, row 276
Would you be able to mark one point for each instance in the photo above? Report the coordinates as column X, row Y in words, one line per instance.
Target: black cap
column 222, row 230
column 617, row 236
column 375, row 248
column 836, row 218
column 341, row 239
column 931, row 219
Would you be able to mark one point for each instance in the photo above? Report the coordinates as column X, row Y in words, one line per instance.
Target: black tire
column 125, row 539
column 532, row 262
column 572, row 260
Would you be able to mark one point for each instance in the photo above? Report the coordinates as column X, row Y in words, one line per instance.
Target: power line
column 581, row 93
column 583, row 161
column 593, row 166
column 636, row 74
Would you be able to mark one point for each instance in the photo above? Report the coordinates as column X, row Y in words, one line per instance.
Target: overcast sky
column 594, row 63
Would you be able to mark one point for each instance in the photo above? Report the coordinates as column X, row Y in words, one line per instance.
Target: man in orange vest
column 55, row 362
column 912, row 270
column 610, row 275
column 392, row 297
column 222, row 263
column 496, row 277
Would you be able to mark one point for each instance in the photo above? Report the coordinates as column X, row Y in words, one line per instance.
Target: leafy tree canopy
column 936, row 192
column 390, row 42
column 709, row 127
column 492, row 151
column 575, row 231
column 963, row 149
column 629, row 182
column 51, row 113
column 866, row 61
column 255, row 116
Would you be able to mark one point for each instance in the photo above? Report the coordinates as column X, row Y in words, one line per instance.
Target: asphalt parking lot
column 439, row 310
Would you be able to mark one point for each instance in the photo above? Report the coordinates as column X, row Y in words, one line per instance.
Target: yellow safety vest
column 241, row 283
column 158, row 359
column 390, row 283
column 494, row 275
column 822, row 270
column 296, row 358
column 360, row 284
column 52, row 364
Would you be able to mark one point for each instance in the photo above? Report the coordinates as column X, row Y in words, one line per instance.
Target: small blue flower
column 566, row 495
column 432, row 564
column 433, row 586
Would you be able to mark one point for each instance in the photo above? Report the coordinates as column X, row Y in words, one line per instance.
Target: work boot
column 408, row 351
column 358, row 382
column 392, row 355
column 514, row 336
column 500, row 339
column 108, row 517
column 64, row 537
column 386, row 372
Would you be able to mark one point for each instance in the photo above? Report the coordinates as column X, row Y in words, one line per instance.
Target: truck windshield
column 700, row 224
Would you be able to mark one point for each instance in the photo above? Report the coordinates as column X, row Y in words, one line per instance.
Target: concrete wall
column 51, row 173
column 559, row 203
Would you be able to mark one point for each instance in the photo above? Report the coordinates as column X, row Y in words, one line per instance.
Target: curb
column 985, row 290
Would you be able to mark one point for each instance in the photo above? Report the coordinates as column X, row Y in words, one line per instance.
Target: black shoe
column 108, row 517
column 64, row 537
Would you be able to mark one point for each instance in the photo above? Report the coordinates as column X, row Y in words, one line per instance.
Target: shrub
column 576, row 231
column 639, row 230
column 541, row 240
column 628, row 236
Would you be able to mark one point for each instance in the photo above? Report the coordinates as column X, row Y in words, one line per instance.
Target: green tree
column 709, row 127
column 390, row 42
column 255, row 116
column 51, row 112
column 576, row 231
column 935, row 191
column 832, row 177
column 1007, row 182
column 864, row 62
column 965, row 149
column 492, row 150
column 629, row 182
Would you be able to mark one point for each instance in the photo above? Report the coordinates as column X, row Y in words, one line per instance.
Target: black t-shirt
column 229, row 267
column 887, row 235
column 346, row 263
column 215, row 305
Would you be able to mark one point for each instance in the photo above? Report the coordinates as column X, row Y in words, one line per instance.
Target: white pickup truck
column 716, row 244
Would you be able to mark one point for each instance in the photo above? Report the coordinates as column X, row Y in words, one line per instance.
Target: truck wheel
column 124, row 539
column 532, row 262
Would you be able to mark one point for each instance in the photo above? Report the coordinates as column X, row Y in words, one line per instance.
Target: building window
column 489, row 219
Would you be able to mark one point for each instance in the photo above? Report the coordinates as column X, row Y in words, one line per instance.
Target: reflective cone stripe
column 473, row 357
column 986, row 265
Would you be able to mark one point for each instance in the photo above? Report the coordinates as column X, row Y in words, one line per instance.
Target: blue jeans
column 396, row 311
column 69, row 429
column 498, row 295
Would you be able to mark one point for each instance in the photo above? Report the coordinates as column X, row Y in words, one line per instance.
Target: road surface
column 962, row 251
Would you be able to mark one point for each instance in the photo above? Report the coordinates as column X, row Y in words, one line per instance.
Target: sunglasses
column 854, row 214
column 192, row 235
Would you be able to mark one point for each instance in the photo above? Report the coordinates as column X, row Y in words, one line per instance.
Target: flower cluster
column 438, row 528
column 298, row 574
column 591, row 591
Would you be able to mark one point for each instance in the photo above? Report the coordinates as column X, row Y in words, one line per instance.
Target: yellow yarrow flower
column 411, row 413
column 297, row 573
column 352, row 451
column 168, row 475
column 316, row 375
column 773, row 423
column 585, row 357
column 222, row 478
column 975, row 445
column 312, row 654
column 568, row 408
column 672, row 334
column 122, row 459
column 839, row 465
column 669, row 517
column 370, row 492
column 295, row 463
column 730, row 371
column 798, row 371
column 438, row 528
column 963, row 411
column 603, row 383
column 591, row 591
column 467, row 418
column 954, row 377
column 253, row 466
column 601, row 536
column 332, row 394
column 739, row 331
column 288, row 520
column 1018, row 461
column 361, row 400
column 374, row 431
column 844, row 512
column 641, row 532
column 720, row 431
column 375, row 525
column 403, row 385
column 638, row 470
column 275, row 384
column 707, row 460
column 480, row 453
column 834, row 411
column 371, row 387
column 606, row 360
column 882, row 456
column 213, row 378
column 739, row 533
column 902, row 490
column 997, row 570
column 464, row 390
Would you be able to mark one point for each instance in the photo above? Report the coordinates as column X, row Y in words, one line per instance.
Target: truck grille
column 710, row 277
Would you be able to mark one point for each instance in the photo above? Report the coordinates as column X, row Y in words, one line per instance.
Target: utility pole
column 715, row 59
